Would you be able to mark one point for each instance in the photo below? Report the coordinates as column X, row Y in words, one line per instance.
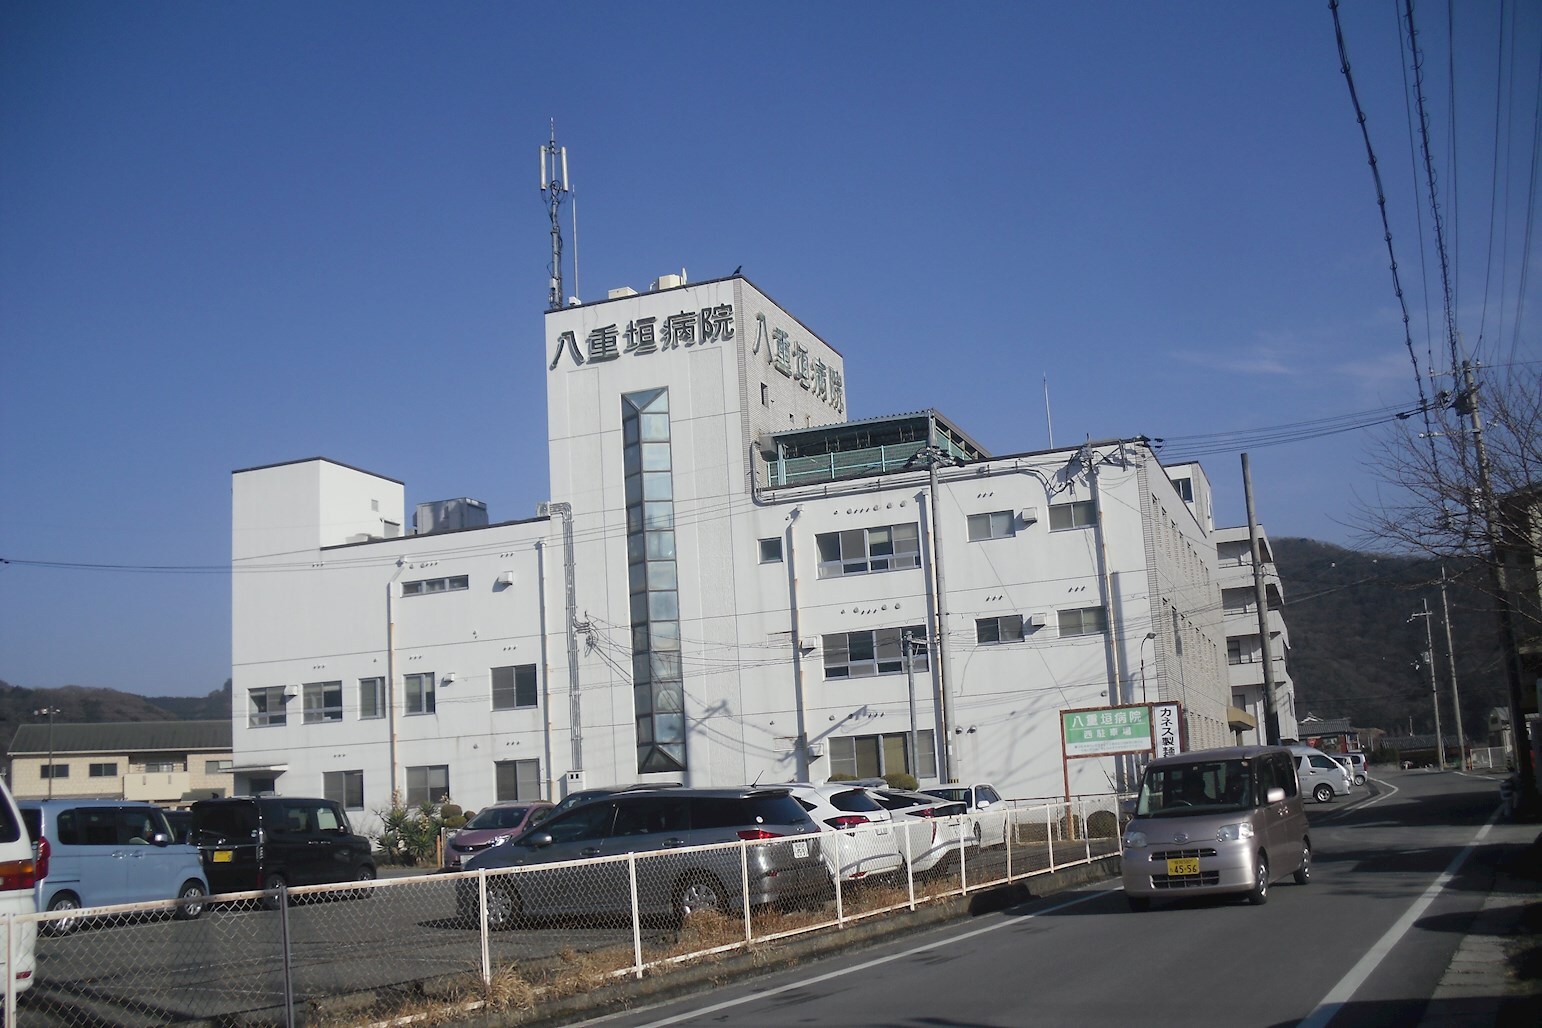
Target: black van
column 263, row 842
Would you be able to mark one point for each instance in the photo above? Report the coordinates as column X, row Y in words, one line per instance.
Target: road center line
column 1341, row 993
column 806, row 983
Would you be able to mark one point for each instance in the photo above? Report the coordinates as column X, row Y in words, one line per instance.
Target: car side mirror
column 983, row 804
column 1275, row 795
column 160, row 839
column 540, row 840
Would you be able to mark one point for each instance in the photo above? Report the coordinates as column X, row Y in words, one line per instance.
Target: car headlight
column 501, row 839
column 1235, row 833
column 1134, row 840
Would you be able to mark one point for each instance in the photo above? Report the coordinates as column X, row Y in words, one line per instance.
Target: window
column 1084, row 621
column 1078, row 514
column 765, row 395
column 1007, row 628
column 427, row 784
column 1185, row 488
column 771, row 550
column 265, row 707
column 873, row 756
column 420, row 693
column 514, row 687
column 216, row 767
column 1234, row 651
column 424, row 586
column 345, row 787
column 874, row 652
column 55, row 771
column 861, row 551
column 104, row 770
column 323, row 702
column 517, row 779
column 371, row 698
column 999, row 524
column 162, row 767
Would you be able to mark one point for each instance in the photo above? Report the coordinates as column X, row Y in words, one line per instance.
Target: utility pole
column 908, row 648
column 564, row 510
column 934, row 455
column 50, row 711
column 1467, row 403
column 1429, row 661
column 1456, row 697
column 1271, row 716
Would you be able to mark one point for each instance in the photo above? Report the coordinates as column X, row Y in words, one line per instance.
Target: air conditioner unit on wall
column 1036, row 620
column 1029, row 515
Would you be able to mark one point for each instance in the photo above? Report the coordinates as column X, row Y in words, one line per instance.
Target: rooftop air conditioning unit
column 620, row 293
column 667, row 282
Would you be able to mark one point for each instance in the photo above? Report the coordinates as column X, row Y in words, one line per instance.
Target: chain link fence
column 362, row 952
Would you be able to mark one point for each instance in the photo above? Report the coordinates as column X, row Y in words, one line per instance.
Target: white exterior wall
column 308, row 609
column 1239, row 599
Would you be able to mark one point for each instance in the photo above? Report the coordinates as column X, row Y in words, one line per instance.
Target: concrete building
column 1244, row 652
column 167, row 762
column 731, row 582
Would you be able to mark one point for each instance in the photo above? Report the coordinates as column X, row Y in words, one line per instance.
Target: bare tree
column 1446, row 495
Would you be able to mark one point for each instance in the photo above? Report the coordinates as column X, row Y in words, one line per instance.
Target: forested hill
column 1355, row 651
column 76, row 704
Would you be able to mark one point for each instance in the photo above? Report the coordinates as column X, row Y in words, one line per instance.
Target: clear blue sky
column 239, row 234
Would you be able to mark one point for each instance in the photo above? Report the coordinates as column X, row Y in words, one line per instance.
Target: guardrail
column 363, row 952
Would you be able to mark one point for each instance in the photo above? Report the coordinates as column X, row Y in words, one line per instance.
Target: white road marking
column 856, row 968
column 1341, row 993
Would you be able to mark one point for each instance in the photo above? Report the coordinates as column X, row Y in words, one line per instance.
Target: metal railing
column 357, row 953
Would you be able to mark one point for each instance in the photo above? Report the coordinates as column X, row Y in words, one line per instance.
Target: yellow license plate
column 226, row 856
column 1183, row 866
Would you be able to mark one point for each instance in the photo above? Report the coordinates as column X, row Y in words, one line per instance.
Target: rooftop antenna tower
column 554, row 186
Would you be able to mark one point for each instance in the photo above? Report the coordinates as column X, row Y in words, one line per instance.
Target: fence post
column 283, row 935
column 1011, row 831
column 631, row 877
column 1049, row 832
column 487, row 955
column 1086, row 832
column 910, row 871
column 744, row 890
column 840, row 909
column 10, row 968
column 966, row 827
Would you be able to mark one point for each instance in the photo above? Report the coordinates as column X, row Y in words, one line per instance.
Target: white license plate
column 800, row 849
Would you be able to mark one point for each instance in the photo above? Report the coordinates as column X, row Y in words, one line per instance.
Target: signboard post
column 1149, row 728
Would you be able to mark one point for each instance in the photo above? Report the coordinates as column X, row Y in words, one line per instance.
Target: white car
column 930, row 829
column 18, row 876
column 865, row 842
column 982, row 800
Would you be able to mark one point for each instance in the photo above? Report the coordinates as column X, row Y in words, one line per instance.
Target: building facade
column 1244, row 652
column 731, row 582
column 166, row 762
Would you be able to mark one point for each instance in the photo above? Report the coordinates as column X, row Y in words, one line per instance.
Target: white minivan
column 1322, row 777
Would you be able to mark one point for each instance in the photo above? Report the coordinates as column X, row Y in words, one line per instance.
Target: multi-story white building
column 731, row 582
column 1244, row 652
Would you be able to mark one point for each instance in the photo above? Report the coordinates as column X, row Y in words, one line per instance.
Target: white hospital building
column 731, row 582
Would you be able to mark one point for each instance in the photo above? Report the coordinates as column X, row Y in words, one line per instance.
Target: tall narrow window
column 420, row 693
column 371, row 698
column 658, row 690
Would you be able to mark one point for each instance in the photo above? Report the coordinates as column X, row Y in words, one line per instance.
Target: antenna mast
column 554, row 186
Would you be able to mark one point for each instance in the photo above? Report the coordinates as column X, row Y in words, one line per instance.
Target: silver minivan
column 1215, row 822
column 1322, row 777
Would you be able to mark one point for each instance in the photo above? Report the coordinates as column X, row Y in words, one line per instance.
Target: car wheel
column 365, row 873
column 1323, row 793
column 697, row 893
column 269, row 883
column 504, row 907
column 1259, row 895
column 65, row 925
column 1139, row 904
column 1304, row 872
column 1359, row 779
column 192, row 893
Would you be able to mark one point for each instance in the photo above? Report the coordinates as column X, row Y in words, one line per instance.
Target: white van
column 1322, row 777
column 18, row 876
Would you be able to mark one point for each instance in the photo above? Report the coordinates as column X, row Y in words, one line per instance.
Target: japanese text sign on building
column 1167, row 721
column 1092, row 733
column 792, row 359
column 642, row 336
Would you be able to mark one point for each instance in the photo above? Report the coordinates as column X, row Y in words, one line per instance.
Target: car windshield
column 1179, row 790
column 955, row 795
column 498, row 817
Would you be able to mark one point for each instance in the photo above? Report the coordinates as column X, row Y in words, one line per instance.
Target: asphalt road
column 1365, row 943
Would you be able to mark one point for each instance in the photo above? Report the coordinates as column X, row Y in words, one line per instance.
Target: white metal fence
column 362, row 952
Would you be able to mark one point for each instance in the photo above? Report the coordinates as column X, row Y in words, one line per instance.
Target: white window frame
column 886, row 645
column 274, row 710
column 525, row 783
column 510, row 692
column 1068, row 517
column 418, row 693
column 426, row 790
column 430, row 586
column 374, row 688
column 998, row 630
column 1074, row 622
column 771, row 550
column 869, row 551
column 321, row 702
column 340, row 786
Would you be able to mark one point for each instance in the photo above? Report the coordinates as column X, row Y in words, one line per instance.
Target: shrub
column 902, row 780
column 410, row 835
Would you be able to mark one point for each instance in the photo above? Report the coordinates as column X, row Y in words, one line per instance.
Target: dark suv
column 783, row 859
column 263, row 842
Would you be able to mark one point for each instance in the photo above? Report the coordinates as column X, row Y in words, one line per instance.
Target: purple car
column 491, row 826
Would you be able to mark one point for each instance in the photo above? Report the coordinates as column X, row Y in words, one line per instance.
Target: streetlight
column 1150, row 637
column 1429, row 660
column 50, row 712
